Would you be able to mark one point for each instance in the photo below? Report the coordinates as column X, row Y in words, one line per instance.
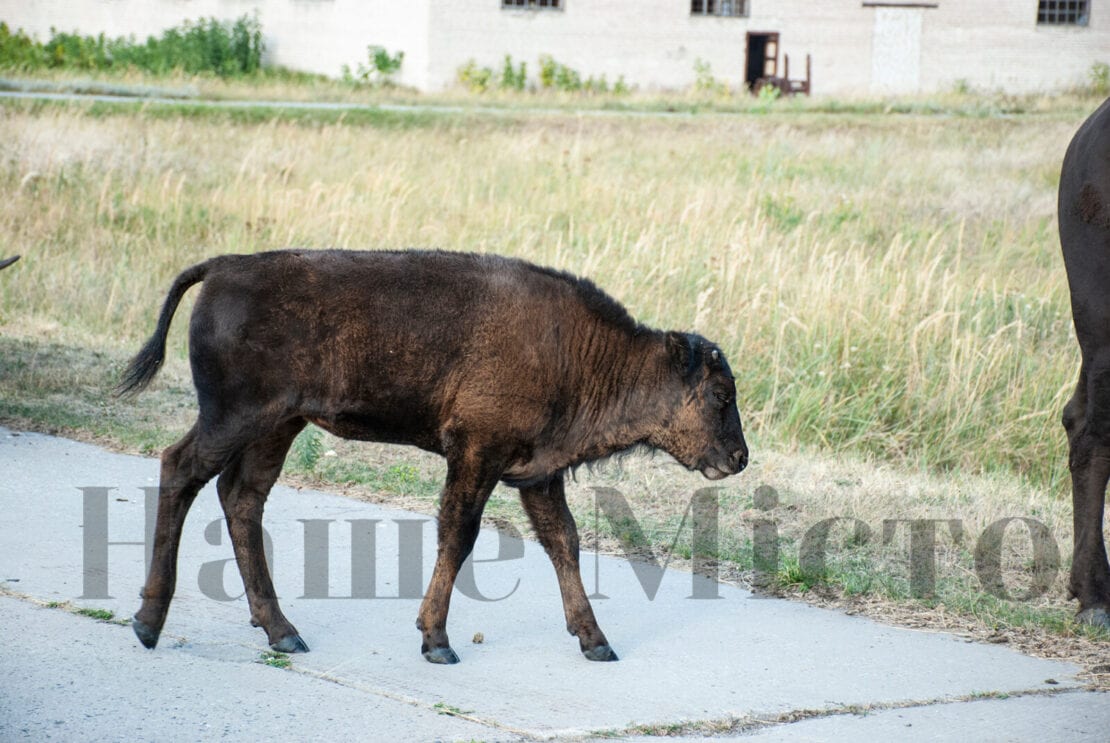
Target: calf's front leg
column 546, row 506
column 470, row 480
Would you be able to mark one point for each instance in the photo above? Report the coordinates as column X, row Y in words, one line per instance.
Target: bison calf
column 512, row 372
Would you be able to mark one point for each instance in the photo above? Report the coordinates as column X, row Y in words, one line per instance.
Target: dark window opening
column 733, row 8
column 1062, row 12
column 532, row 4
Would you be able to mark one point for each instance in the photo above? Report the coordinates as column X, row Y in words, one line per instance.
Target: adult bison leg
column 186, row 467
column 546, row 506
column 243, row 487
column 1089, row 461
column 1084, row 219
column 470, row 480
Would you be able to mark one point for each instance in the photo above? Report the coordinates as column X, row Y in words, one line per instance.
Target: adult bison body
column 512, row 372
column 1084, row 210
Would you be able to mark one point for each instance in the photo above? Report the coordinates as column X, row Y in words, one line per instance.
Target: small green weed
column 379, row 73
column 307, row 448
column 705, row 82
column 792, row 574
column 274, row 659
column 767, row 95
column 474, row 78
column 557, row 76
column 513, row 77
column 1099, row 77
column 104, row 615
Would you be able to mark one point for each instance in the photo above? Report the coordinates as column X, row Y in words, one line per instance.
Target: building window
column 531, row 4
column 736, row 8
column 1062, row 12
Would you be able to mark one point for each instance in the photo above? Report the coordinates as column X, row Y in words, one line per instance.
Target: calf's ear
column 681, row 352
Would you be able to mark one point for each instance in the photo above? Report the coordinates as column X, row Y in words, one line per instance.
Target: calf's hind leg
column 243, row 487
column 186, row 467
column 546, row 506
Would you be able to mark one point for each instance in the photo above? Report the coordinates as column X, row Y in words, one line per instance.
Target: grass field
column 888, row 288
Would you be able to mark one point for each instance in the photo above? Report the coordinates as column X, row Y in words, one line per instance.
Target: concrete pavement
column 72, row 523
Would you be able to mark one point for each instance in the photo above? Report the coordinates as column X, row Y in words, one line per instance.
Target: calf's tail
column 149, row 360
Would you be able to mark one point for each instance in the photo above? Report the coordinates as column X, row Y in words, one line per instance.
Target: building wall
column 652, row 43
column 856, row 48
column 1004, row 48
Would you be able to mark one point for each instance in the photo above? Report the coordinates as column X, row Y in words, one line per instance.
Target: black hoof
column 147, row 635
column 1096, row 616
column 290, row 644
column 444, row 656
column 601, row 653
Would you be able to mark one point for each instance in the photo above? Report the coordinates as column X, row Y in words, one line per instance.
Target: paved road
column 65, row 538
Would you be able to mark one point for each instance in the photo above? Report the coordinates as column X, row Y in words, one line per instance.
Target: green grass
column 100, row 615
column 307, row 457
column 103, row 615
column 274, row 659
column 222, row 48
column 449, row 709
column 216, row 113
column 306, row 450
column 65, row 388
column 400, row 479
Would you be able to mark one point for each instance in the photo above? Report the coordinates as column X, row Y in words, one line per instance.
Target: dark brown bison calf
column 1084, row 209
column 512, row 372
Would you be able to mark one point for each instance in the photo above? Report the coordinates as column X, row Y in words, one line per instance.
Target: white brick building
column 857, row 46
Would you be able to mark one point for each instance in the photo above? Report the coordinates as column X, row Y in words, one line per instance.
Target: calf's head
column 701, row 425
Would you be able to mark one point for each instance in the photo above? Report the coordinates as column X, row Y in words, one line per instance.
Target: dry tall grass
column 887, row 285
column 889, row 290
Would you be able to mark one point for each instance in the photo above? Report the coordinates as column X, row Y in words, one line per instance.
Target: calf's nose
column 740, row 456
